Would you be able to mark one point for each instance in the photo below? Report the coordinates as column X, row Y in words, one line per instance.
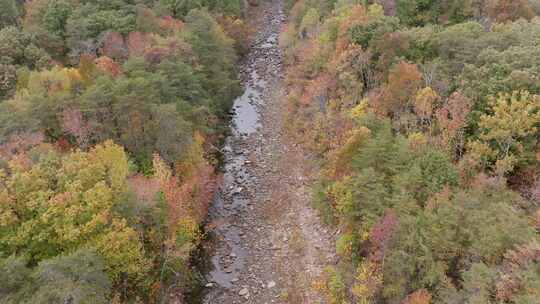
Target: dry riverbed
column 267, row 244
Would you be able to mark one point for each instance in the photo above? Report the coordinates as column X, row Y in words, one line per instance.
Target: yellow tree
column 506, row 132
column 423, row 105
column 367, row 282
column 63, row 203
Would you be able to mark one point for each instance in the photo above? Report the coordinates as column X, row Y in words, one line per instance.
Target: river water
column 232, row 197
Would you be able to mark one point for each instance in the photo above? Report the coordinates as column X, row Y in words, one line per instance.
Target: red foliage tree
column 137, row 43
column 171, row 24
column 420, row 296
column 144, row 188
column 20, row 143
column 191, row 196
column 389, row 6
column 380, row 235
column 515, row 262
column 156, row 54
column 534, row 191
column 108, row 66
column 74, row 124
column 395, row 99
column 509, row 10
column 114, row 46
column 317, row 91
column 390, row 46
column 356, row 16
column 404, row 81
column 452, row 118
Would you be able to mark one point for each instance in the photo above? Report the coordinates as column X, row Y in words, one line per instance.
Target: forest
column 425, row 118
column 98, row 204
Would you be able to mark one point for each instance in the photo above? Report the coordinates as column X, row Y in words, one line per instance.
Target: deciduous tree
column 506, row 133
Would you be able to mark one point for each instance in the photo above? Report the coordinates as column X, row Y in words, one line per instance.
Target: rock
column 208, row 285
column 237, row 190
column 271, row 284
column 243, row 292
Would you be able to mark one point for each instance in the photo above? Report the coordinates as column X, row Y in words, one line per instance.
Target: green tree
column 180, row 8
column 430, row 172
column 8, row 80
column 55, row 17
column 309, row 23
column 416, row 12
column 16, row 280
column 428, row 250
column 493, row 72
column 216, row 54
column 9, row 13
column 478, row 283
column 12, row 44
column 365, row 33
column 226, row 7
column 78, row 277
column 18, row 48
column 75, row 278
column 422, row 12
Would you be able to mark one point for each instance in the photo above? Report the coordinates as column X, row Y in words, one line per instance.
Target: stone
column 271, row 284
column 243, row 292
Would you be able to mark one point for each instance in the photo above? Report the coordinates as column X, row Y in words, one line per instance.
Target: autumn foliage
column 107, row 111
column 427, row 139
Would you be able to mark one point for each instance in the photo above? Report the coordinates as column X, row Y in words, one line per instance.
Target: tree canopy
column 107, row 113
column 428, row 139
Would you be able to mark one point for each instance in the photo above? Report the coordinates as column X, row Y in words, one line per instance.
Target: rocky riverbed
column 267, row 245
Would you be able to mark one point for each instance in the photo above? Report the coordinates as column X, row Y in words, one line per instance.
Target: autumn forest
column 421, row 119
column 107, row 111
column 425, row 115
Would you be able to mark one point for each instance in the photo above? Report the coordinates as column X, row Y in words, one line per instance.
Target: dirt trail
column 268, row 244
